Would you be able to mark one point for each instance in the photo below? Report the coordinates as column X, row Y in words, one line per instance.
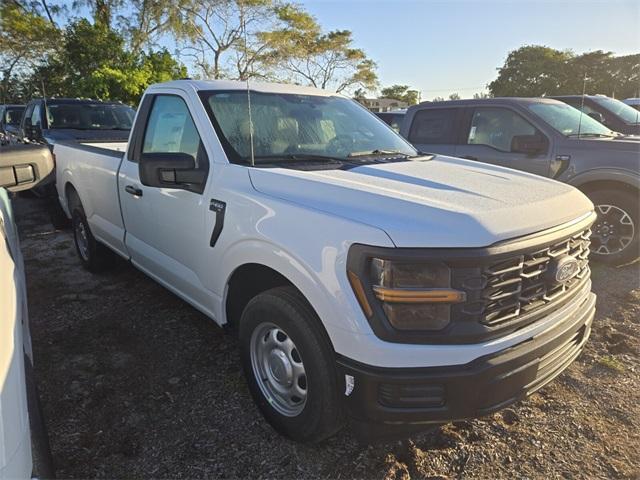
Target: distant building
column 382, row 104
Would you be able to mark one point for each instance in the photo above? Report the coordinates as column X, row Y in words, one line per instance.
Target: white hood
column 444, row 202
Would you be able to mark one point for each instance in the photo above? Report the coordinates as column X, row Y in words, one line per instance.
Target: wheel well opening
column 70, row 192
column 596, row 185
column 246, row 282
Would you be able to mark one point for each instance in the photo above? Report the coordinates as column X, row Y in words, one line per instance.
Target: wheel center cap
column 280, row 367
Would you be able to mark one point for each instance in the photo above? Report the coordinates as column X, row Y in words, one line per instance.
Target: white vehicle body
column 15, row 439
column 302, row 225
column 24, row 446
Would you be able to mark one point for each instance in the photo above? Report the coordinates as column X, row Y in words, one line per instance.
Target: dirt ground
column 136, row 383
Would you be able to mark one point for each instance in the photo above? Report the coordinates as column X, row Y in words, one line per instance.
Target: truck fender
column 606, row 175
column 324, row 298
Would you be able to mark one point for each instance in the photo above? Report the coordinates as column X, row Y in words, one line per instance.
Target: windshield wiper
column 376, row 152
column 591, row 134
column 297, row 157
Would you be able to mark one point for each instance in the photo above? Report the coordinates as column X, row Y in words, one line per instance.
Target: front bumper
column 432, row 395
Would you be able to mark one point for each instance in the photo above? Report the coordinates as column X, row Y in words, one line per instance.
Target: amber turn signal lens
column 431, row 295
column 358, row 289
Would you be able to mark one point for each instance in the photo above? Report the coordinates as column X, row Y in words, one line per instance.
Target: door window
column 435, row 126
column 35, row 116
column 496, row 127
column 170, row 128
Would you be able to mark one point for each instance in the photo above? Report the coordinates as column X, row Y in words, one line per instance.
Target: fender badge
column 349, row 384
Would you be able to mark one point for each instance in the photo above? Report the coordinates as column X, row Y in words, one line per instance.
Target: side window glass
column 435, row 126
column 35, row 116
column 170, row 128
column 496, row 127
column 27, row 115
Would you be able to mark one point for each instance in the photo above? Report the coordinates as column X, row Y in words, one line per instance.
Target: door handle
column 470, row 157
column 135, row 191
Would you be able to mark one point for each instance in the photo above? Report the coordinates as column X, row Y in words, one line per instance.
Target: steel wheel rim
column 278, row 369
column 82, row 240
column 614, row 230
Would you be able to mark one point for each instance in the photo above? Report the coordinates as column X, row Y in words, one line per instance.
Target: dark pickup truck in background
column 69, row 119
column 10, row 116
column 548, row 138
column 616, row 115
column 90, row 122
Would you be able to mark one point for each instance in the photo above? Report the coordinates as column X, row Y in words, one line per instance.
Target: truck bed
column 92, row 169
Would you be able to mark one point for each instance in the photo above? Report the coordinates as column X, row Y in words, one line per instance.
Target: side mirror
column 24, row 166
column 529, row 144
column 170, row 170
column 598, row 117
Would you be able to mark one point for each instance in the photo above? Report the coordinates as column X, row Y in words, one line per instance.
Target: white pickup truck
column 365, row 279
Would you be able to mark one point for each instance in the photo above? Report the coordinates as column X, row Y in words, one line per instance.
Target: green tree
column 454, row 96
column 402, row 93
column 535, row 71
column 94, row 62
column 532, row 70
column 225, row 38
column 325, row 60
column 26, row 40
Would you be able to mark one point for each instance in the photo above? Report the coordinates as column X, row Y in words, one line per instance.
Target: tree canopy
column 535, row 70
column 402, row 93
column 114, row 54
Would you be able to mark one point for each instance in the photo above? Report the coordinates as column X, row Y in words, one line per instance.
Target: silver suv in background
column 548, row 138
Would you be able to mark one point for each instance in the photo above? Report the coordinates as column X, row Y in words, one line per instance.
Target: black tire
column 322, row 414
column 94, row 256
column 616, row 232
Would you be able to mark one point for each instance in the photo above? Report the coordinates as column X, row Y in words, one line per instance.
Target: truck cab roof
column 203, row 85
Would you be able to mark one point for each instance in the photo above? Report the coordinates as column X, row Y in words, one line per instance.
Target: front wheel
column 614, row 237
column 290, row 365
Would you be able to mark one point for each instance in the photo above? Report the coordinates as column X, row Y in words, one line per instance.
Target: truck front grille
column 519, row 286
column 502, row 292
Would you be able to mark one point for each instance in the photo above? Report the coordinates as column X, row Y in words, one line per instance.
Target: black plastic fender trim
column 218, row 207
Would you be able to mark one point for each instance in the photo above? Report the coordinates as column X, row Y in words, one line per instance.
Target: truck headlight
column 413, row 296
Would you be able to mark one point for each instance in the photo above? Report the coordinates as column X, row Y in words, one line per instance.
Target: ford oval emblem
column 564, row 269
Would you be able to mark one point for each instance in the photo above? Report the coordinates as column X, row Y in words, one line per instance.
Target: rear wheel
column 93, row 255
column 290, row 366
column 615, row 234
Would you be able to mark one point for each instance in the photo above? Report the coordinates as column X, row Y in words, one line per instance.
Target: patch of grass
column 611, row 363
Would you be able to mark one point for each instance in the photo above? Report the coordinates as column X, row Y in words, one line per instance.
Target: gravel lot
column 135, row 383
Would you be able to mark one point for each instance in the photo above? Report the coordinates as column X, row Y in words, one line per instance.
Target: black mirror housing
column 171, row 170
column 528, row 144
column 24, row 166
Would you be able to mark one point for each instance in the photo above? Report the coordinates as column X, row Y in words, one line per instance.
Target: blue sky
column 440, row 47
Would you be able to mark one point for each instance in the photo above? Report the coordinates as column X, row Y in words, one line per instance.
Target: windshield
column 618, row 108
column 89, row 116
column 568, row 120
column 13, row 115
column 299, row 127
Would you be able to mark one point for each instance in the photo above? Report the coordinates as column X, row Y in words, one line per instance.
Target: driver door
column 489, row 138
column 165, row 227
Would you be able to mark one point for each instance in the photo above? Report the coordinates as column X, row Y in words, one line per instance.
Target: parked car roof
column 59, row 100
column 486, row 101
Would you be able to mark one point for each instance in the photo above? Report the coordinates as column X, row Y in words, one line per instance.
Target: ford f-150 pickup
column 365, row 280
